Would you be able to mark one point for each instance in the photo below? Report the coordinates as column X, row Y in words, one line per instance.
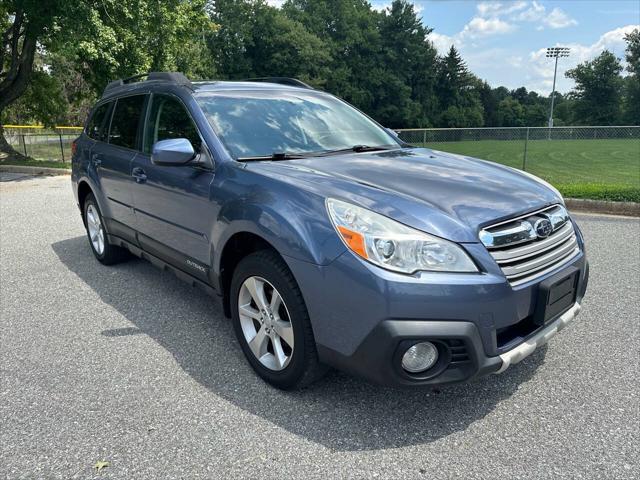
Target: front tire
column 106, row 253
column 271, row 322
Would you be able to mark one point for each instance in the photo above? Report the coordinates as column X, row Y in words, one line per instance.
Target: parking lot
column 128, row 365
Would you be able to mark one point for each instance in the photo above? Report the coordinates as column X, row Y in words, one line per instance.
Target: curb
column 630, row 209
column 34, row 170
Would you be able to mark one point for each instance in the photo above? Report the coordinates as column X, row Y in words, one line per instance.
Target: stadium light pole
column 555, row 52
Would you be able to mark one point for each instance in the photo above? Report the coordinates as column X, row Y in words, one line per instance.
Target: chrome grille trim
column 540, row 273
column 520, row 268
column 523, row 260
column 533, row 248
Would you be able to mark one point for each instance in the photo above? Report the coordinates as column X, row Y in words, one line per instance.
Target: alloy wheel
column 96, row 232
column 265, row 323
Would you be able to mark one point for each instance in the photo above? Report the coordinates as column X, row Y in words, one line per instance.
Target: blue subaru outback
column 329, row 240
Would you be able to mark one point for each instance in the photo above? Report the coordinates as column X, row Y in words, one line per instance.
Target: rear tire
column 106, row 253
column 277, row 339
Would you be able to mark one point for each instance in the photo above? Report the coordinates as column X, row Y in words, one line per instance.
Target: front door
column 174, row 215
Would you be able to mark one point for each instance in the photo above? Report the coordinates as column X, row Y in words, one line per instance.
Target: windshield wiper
column 273, row 156
column 359, row 148
column 293, row 156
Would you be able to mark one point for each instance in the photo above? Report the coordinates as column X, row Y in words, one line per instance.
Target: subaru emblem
column 543, row 227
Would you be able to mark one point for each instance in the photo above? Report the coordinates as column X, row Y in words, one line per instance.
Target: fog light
column 420, row 357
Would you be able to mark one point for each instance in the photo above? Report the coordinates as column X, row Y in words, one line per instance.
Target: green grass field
column 597, row 169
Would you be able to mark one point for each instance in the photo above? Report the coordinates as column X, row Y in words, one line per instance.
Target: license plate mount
column 556, row 295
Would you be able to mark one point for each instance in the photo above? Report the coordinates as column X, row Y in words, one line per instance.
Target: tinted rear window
column 98, row 124
column 125, row 121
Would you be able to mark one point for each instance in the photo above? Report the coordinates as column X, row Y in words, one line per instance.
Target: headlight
column 394, row 246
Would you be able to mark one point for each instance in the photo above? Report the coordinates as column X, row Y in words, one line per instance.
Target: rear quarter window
column 126, row 121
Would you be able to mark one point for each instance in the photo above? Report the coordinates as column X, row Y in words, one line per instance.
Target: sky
column 504, row 42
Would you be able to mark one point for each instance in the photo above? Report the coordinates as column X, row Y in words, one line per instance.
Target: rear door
column 97, row 130
column 174, row 214
column 113, row 163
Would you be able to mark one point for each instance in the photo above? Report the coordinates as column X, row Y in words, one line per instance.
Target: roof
column 175, row 78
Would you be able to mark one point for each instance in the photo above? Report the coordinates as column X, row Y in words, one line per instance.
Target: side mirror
column 173, row 152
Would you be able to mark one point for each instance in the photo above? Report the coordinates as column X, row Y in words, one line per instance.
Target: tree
column 632, row 82
column 632, row 52
column 257, row 40
column 511, row 113
column 536, row 115
column 453, row 78
column 489, row 100
column 459, row 102
column 350, row 30
column 104, row 39
column 405, row 95
column 26, row 25
column 597, row 90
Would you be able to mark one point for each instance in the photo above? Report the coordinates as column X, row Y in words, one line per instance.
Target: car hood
column 469, row 193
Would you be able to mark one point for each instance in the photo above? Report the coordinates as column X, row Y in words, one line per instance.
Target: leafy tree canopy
column 57, row 56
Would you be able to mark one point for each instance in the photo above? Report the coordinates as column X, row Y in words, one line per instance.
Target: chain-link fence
column 44, row 145
column 603, row 158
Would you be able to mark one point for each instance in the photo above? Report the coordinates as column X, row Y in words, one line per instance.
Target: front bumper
column 364, row 317
column 378, row 358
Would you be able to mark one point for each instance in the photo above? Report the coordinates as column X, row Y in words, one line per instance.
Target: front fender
column 293, row 221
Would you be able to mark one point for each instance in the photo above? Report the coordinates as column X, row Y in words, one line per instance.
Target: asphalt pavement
column 129, row 366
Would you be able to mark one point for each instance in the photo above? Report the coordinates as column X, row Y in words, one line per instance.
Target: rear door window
column 98, row 125
column 126, row 121
column 168, row 118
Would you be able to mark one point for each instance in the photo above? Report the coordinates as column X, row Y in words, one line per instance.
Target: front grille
column 530, row 246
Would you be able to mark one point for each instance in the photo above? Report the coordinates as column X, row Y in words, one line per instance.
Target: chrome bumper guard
column 543, row 336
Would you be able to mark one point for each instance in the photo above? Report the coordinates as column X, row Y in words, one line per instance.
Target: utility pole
column 555, row 52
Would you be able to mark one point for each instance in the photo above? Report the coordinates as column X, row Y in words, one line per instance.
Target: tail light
column 74, row 147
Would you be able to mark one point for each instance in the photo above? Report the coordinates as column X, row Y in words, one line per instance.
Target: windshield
column 264, row 123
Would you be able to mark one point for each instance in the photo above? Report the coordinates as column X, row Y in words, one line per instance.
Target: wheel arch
column 237, row 247
column 84, row 189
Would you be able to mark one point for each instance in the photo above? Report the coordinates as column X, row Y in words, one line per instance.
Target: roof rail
column 294, row 82
column 172, row 77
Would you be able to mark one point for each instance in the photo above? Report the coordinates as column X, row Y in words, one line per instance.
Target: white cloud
column 482, row 27
column 558, row 19
column 537, row 13
column 443, row 42
column 494, row 9
column 477, row 27
column 532, row 14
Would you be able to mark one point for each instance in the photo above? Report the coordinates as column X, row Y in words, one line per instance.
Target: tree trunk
column 15, row 74
column 7, row 152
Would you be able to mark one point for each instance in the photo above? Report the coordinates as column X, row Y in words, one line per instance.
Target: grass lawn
column 597, row 169
column 45, row 148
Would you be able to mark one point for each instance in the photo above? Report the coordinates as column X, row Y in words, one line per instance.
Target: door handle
column 139, row 175
column 96, row 159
